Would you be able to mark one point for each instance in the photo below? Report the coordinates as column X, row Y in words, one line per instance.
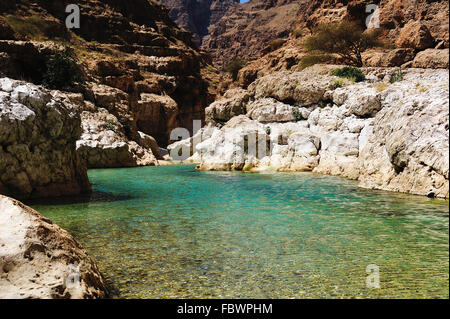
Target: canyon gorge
column 136, row 70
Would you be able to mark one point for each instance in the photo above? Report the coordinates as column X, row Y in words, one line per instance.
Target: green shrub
column 297, row 33
column 396, row 76
column 268, row 130
column 338, row 83
column 351, row 73
column 62, row 70
column 312, row 59
column 347, row 39
column 110, row 125
column 274, row 45
column 297, row 114
column 234, row 67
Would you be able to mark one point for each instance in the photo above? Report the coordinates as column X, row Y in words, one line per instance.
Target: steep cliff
column 197, row 15
column 245, row 32
column 246, row 29
column 142, row 74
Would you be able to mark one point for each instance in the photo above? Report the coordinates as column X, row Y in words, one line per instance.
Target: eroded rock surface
column 38, row 259
column 125, row 50
column 104, row 143
column 37, row 143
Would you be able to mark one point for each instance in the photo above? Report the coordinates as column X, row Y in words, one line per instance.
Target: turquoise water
column 173, row 232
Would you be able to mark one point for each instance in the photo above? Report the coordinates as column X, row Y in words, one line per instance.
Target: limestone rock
column 391, row 58
column 391, row 136
column 124, row 49
column 39, row 260
column 104, row 143
column 233, row 104
column 270, row 110
column 292, row 87
column 359, row 99
column 150, row 109
column 149, row 142
column 409, row 147
column 37, row 138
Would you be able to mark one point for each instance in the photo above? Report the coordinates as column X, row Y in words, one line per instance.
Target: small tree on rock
column 62, row 70
column 234, row 67
column 346, row 39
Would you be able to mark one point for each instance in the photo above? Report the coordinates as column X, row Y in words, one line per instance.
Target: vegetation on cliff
column 347, row 39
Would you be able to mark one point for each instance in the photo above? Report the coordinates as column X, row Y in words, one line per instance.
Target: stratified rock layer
column 391, row 136
column 37, row 143
column 250, row 31
column 38, row 259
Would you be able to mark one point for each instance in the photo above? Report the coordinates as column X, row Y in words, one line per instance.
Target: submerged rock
column 38, row 259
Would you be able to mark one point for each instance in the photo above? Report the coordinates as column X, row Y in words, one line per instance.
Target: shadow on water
column 95, row 197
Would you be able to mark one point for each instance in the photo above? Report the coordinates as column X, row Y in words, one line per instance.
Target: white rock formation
column 388, row 136
column 37, row 143
column 103, row 143
column 40, row 260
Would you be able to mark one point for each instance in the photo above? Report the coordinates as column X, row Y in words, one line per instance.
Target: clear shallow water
column 172, row 232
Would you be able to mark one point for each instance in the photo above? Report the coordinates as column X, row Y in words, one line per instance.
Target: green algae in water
column 437, row 202
column 172, row 232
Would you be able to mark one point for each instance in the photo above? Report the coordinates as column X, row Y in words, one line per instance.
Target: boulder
column 300, row 88
column 360, row 100
column 391, row 58
column 270, row 110
column 432, row 59
column 104, row 143
column 233, row 104
column 149, row 142
column 39, row 260
column 415, row 35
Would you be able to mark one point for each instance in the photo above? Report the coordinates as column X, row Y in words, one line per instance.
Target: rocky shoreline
column 388, row 136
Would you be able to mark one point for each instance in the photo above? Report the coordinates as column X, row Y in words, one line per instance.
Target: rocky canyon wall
column 245, row 31
column 142, row 74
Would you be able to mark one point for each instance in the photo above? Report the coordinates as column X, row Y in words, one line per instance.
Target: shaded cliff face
column 197, row 15
column 246, row 29
column 138, row 65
